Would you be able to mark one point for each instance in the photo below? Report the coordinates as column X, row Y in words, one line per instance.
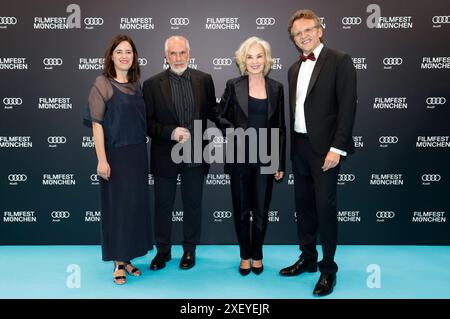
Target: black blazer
column 162, row 118
column 330, row 103
column 233, row 110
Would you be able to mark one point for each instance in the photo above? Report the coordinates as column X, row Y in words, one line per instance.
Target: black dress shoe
column 257, row 270
column 159, row 262
column 299, row 267
column 244, row 271
column 188, row 260
column 325, row 285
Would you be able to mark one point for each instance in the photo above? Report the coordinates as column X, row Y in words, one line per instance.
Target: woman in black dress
column 253, row 101
column 117, row 114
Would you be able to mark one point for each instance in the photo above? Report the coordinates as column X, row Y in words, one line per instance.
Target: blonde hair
column 241, row 54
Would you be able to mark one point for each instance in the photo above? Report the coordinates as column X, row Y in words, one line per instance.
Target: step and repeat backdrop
column 393, row 190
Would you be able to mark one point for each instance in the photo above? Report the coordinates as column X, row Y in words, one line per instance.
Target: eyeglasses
column 307, row 31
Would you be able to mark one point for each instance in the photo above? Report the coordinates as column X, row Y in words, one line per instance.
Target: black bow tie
column 310, row 56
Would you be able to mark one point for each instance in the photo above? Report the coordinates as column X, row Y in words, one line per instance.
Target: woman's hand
column 103, row 170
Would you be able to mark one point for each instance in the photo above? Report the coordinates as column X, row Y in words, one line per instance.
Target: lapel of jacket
column 196, row 83
column 271, row 98
column 167, row 93
column 293, row 85
column 242, row 93
column 319, row 64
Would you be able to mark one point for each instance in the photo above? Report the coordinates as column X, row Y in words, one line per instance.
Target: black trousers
column 251, row 191
column 315, row 203
column 191, row 194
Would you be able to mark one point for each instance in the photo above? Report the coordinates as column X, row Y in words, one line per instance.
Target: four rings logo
column 8, row 20
column 221, row 214
column 49, row 63
column 436, row 100
column 60, row 214
column 440, row 19
column 388, row 139
column 94, row 178
column 385, row 214
column 179, row 21
column 53, row 140
column 93, row 21
column 15, row 178
column 392, row 61
column 265, row 21
column 348, row 21
column 346, row 177
column 222, row 61
column 431, row 177
column 142, row 61
column 12, row 101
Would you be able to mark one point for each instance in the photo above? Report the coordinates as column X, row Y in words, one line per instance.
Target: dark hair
column 304, row 14
column 134, row 73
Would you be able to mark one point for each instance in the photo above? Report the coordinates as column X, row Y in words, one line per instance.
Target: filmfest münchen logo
column 276, row 64
column 376, row 21
column 263, row 22
column 358, row 141
column 177, row 216
column 88, row 64
column 435, row 63
column 217, row 179
column 15, row 141
column 92, row 216
column 392, row 62
column 349, row 22
column 72, row 21
column 273, row 216
column 11, row 102
column 390, row 179
column 349, row 216
column 58, row 180
column 13, row 63
column 87, row 142
column 19, row 216
column 54, row 103
column 433, row 141
column 438, row 21
column 5, row 22
column 222, row 23
column 137, row 23
column 435, row 101
column 429, row 217
column 360, row 63
column 390, row 103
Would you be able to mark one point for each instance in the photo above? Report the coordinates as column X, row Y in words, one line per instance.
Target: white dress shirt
column 304, row 76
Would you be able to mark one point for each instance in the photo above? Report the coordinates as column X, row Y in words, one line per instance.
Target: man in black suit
column 175, row 98
column 322, row 94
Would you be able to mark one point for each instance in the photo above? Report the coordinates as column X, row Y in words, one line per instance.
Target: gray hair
column 166, row 43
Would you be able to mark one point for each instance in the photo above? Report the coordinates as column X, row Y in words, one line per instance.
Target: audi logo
column 94, row 177
column 436, row 100
column 351, row 20
column 265, row 21
column 93, row 21
column 56, row 140
column 52, row 61
column 12, row 101
column 142, row 61
column 222, row 61
column 431, row 177
column 346, row 178
column 388, row 139
column 220, row 139
column 8, row 20
column 179, row 21
column 385, row 214
column 60, row 214
column 392, row 61
column 441, row 19
column 222, row 214
column 17, row 177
